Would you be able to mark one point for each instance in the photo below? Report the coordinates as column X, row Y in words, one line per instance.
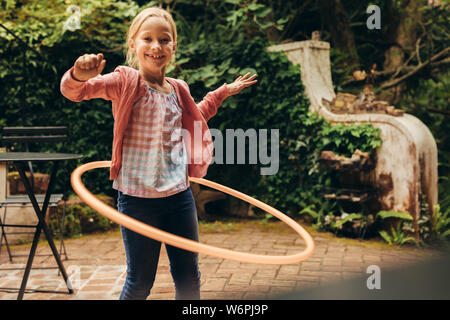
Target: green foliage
column 348, row 218
column 345, row 224
column 318, row 217
column 217, row 41
column 428, row 100
column 312, row 213
column 277, row 101
column 80, row 219
column 440, row 224
column 398, row 232
column 345, row 139
column 397, row 236
column 30, row 74
column 394, row 214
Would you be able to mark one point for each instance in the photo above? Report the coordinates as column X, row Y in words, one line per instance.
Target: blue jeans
column 175, row 214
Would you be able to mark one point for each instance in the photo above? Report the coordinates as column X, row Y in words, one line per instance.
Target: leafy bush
column 437, row 227
column 31, row 70
column 80, row 218
column 398, row 230
column 207, row 56
column 440, row 224
column 428, row 101
column 397, row 236
column 277, row 101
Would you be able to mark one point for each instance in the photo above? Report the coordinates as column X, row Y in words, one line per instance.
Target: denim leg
column 142, row 253
column 142, row 261
column 175, row 214
column 184, row 264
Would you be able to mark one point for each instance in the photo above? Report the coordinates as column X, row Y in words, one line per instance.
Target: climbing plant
column 216, row 43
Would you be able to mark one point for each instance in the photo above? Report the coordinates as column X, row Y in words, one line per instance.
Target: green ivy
column 428, row 100
column 345, row 139
column 277, row 101
column 208, row 55
column 80, row 219
column 30, row 74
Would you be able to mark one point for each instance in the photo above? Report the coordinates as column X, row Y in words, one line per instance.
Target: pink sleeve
column 102, row 86
column 212, row 101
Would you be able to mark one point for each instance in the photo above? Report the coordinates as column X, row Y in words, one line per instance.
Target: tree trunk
column 337, row 23
column 403, row 32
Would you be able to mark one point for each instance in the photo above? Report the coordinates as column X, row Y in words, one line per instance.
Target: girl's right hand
column 88, row 66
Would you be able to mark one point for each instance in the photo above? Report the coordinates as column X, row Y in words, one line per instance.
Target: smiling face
column 153, row 45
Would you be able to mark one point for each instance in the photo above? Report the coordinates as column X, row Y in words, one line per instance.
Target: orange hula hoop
column 188, row 244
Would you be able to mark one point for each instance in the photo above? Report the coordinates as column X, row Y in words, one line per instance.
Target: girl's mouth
column 154, row 57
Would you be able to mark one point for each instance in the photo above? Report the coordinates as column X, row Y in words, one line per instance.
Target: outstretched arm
column 210, row 103
column 240, row 83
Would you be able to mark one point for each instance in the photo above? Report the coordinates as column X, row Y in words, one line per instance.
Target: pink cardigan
column 124, row 86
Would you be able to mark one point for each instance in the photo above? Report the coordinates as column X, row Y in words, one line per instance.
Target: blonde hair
column 131, row 59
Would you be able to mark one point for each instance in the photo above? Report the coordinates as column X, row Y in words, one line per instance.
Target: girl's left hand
column 240, row 83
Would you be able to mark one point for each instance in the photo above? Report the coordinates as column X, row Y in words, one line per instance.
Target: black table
column 20, row 159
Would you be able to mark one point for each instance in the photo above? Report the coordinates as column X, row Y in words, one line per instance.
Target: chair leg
column 61, row 233
column 58, row 222
column 4, row 237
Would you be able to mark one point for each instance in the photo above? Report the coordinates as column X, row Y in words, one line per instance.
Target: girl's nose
column 155, row 45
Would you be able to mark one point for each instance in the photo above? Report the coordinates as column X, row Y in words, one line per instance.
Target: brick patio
column 97, row 266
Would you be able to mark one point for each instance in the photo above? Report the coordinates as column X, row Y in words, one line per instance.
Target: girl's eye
column 164, row 40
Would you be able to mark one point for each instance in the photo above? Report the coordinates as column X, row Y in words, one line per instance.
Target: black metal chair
column 26, row 136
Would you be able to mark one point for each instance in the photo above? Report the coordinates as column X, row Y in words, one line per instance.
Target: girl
column 148, row 108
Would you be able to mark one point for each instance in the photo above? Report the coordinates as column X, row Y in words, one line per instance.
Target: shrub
column 205, row 60
column 80, row 218
column 277, row 101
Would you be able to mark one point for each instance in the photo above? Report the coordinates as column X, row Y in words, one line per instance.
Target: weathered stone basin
column 406, row 171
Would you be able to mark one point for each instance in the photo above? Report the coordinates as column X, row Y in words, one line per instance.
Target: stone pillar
column 313, row 56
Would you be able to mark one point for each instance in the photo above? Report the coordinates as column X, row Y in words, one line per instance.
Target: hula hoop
column 188, row 244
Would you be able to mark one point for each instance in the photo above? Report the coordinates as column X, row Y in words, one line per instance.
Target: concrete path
column 96, row 264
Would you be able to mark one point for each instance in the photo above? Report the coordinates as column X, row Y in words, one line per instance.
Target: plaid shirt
column 148, row 170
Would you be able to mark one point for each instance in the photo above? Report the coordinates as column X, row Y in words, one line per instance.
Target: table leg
column 41, row 226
